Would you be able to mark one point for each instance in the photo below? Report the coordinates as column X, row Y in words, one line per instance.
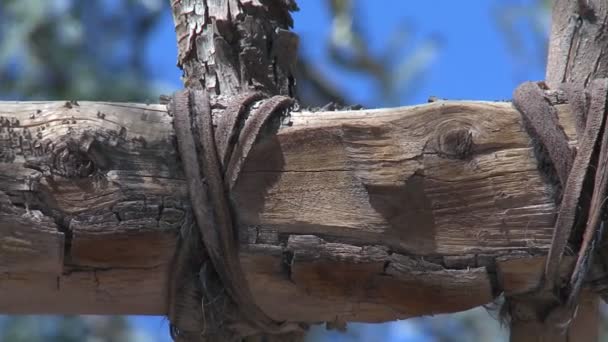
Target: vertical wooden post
column 586, row 324
column 577, row 54
column 229, row 48
column 526, row 327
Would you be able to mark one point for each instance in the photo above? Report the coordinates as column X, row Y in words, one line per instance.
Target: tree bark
column 230, row 46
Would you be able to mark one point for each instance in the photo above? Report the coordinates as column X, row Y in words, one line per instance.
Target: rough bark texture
column 231, row 47
column 228, row 46
column 366, row 215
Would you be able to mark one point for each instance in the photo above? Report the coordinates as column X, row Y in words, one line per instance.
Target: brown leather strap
column 592, row 234
column 248, row 135
column 206, row 185
column 530, row 100
column 589, row 163
column 227, row 130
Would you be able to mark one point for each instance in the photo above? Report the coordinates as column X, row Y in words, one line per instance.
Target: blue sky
column 474, row 61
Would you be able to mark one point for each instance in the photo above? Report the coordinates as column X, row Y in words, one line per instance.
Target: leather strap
column 209, row 185
column 540, row 115
column 574, row 173
column 596, row 219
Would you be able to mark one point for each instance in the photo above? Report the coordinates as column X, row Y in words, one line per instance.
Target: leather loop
column 212, row 159
column 579, row 173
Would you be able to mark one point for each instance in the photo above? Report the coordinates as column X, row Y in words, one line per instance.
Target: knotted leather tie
column 212, row 159
column 579, row 171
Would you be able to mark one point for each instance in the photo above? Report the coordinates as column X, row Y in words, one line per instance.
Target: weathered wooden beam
column 86, row 218
column 367, row 215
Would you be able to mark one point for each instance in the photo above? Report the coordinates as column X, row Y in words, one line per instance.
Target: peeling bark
column 229, row 46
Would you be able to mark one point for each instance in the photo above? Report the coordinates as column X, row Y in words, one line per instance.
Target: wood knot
column 455, row 142
column 72, row 164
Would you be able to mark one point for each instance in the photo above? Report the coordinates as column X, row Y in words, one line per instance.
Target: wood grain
column 578, row 44
column 394, row 207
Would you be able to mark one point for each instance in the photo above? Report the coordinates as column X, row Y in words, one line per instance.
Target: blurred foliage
column 394, row 70
column 69, row 49
column 64, row 329
column 525, row 28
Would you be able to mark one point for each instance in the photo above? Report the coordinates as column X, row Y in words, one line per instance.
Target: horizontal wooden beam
column 367, row 215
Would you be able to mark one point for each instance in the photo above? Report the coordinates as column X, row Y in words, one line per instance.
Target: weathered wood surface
column 579, row 41
column 520, row 276
column 585, row 326
column 367, row 215
column 87, row 222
